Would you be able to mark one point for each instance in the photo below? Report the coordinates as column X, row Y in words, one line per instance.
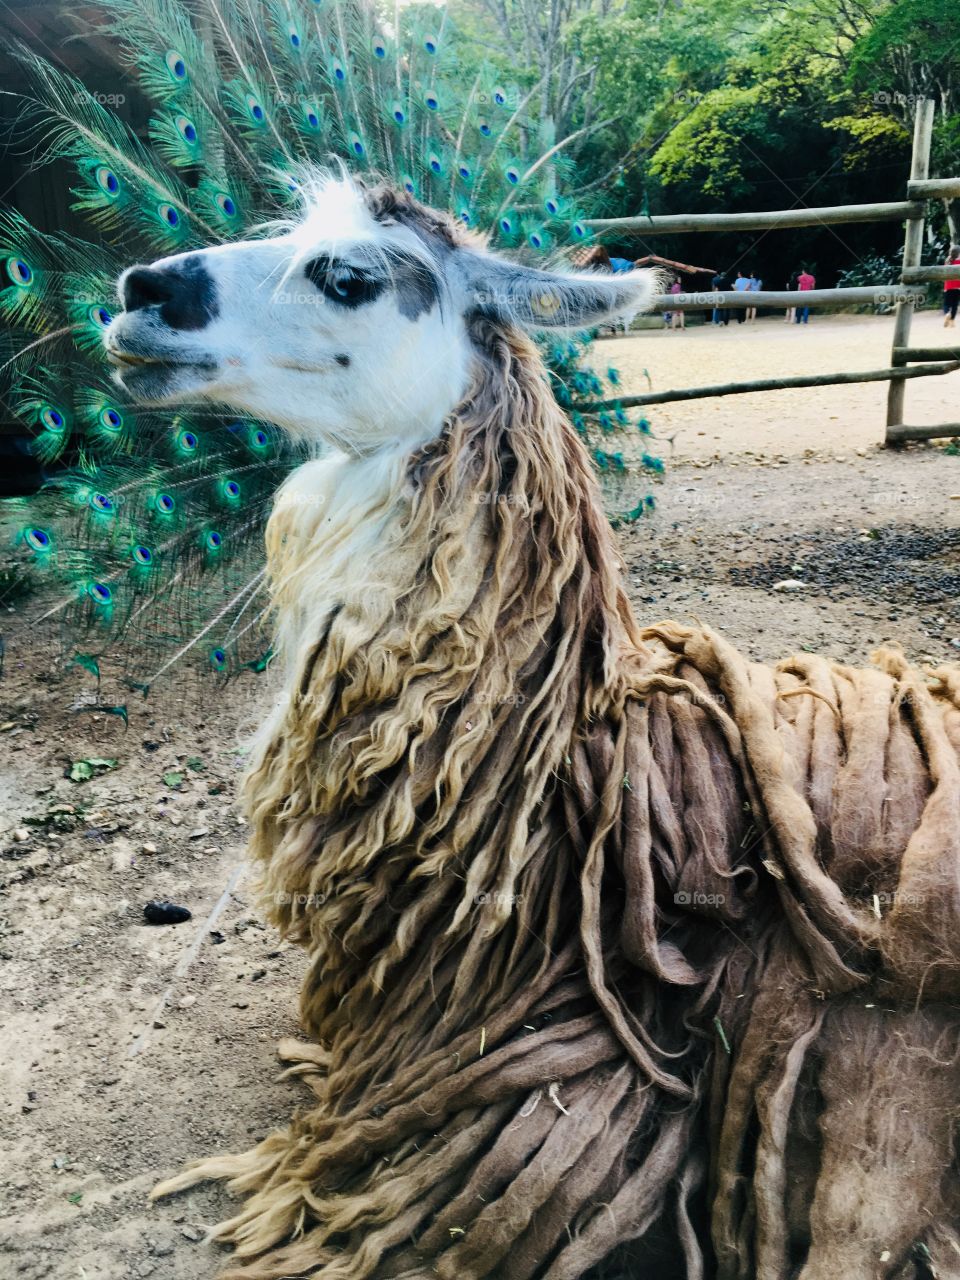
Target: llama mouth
column 157, row 380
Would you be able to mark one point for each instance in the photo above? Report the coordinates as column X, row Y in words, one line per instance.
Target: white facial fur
column 277, row 349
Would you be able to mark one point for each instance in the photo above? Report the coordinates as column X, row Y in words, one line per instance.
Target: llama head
column 351, row 327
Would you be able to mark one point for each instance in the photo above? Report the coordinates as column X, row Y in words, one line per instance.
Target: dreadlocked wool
column 615, row 938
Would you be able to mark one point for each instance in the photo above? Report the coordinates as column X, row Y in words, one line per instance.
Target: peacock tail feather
column 150, row 525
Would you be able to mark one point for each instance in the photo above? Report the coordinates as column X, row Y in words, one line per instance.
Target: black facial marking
column 343, row 361
column 184, row 292
column 345, row 285
column 418, row 290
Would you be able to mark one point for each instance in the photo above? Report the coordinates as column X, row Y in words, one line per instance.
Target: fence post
column 912, row 253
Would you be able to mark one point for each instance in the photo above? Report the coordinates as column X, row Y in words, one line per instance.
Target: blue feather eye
column 356, row 145
column 536, row 240
column 399, row 115
column 164, row 503
column 379, row 49
column 409, row 187
column 100, row 593
column 465, row 217
column 551, row 206
column 213, row 541
column 432, row 102
column 485, row 128
column 218, row 659
column 100, row 316
column 102, row 504
column 231, row 489
column 187, row 129
column 168, row 214
column 188, row 441
column 430, row 44
column 512, row 175
column 51, row 418
column 295, row 39
column 19, row 271
column 142, row 556
column 110, row 420
column 465, row 172
column 37, row 540
column 339, row 71
column 435, row 163
column 311, row 114
column 255, row 107
column 176, row 64
column 500, row 97
column 107, row 181
column 506, row 226
column 225, row 204
column 579, row 231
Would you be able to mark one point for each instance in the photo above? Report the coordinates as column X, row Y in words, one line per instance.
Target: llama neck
column 447, row 635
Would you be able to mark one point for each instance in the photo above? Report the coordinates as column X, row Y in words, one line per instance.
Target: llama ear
column 548, row 299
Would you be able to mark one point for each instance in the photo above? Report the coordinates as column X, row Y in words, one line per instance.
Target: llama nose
column 183, row 292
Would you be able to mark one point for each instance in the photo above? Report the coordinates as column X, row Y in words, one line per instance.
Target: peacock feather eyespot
column 500, row 97
column 50, row 418
column 409, row 187
column 176, row 64
column 379, row 49
column 213, row 541
column 399, row 115
column 339, row 71
column 465, row 217
column 110, row 419
column 255, row 107
column 218, row 659
column 435, row 163
column 100, row 317
column 231, row 490
column 356, row 145
column 164, row 503
column 432, row 102
column 552, row 206
column 37, row 540
column 142, row 556
column 19, row 272
column 107, row 181
column 168, row 214
column 485, row 129
column 225, row 204
column 188, row 441
column 506, row 226
column 295, row 38
column 187, row 129
column 579, row 231
column 311, row 114
column 512, row 175
column 536, row 240
column 431, row 44
column 102, row 504
column 100, row 593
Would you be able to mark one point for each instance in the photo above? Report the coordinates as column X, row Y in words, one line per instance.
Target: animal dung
column 165, row 913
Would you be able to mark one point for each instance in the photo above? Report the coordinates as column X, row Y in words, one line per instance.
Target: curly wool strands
column 594, row 915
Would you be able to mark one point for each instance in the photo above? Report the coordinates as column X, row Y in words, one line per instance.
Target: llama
column 615, row 939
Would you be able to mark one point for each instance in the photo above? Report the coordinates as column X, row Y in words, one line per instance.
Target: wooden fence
column 906, row 362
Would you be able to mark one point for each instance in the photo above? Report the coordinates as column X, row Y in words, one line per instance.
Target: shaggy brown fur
column 614, row 936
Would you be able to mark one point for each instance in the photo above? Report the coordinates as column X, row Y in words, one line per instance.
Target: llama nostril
column 342, row 360
column 182, row 289
column 144, row 287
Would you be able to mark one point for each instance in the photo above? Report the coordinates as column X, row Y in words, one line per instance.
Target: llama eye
column 348, row 286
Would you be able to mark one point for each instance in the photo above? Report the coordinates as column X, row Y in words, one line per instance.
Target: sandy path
column 837, row 418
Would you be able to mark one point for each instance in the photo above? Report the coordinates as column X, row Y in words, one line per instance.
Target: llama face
column 349, row 329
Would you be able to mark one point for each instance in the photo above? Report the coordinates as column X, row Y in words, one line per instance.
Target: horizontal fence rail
column 909, row 355
column 871, row 295
column 669, row 224
column 934, row 189
column 899, row 433
column 918, row 275
column 770, row 384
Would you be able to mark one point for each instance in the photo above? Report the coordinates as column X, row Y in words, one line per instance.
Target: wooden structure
column 906, row 362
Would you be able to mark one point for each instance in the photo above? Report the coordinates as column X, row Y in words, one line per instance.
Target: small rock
column 186, row 1002
column 150, row 847
column 191, row 1233
column 198, row 832
column 258, row 974
column 166, row 913
column 158, row 1024
column 21, row 834
column 789, row 584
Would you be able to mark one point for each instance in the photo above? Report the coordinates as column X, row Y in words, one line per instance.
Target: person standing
column 756, row 284
column 805, row 282
column 790, row 286
column 721, row 315
column 951, row 289
column 678, row 319
column 741, row 285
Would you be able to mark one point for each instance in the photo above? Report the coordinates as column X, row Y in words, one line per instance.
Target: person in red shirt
column 805, row 282
column 951, row 289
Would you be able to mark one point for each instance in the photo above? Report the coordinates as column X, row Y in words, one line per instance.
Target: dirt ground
column 840, row 418
column 129, row 1048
